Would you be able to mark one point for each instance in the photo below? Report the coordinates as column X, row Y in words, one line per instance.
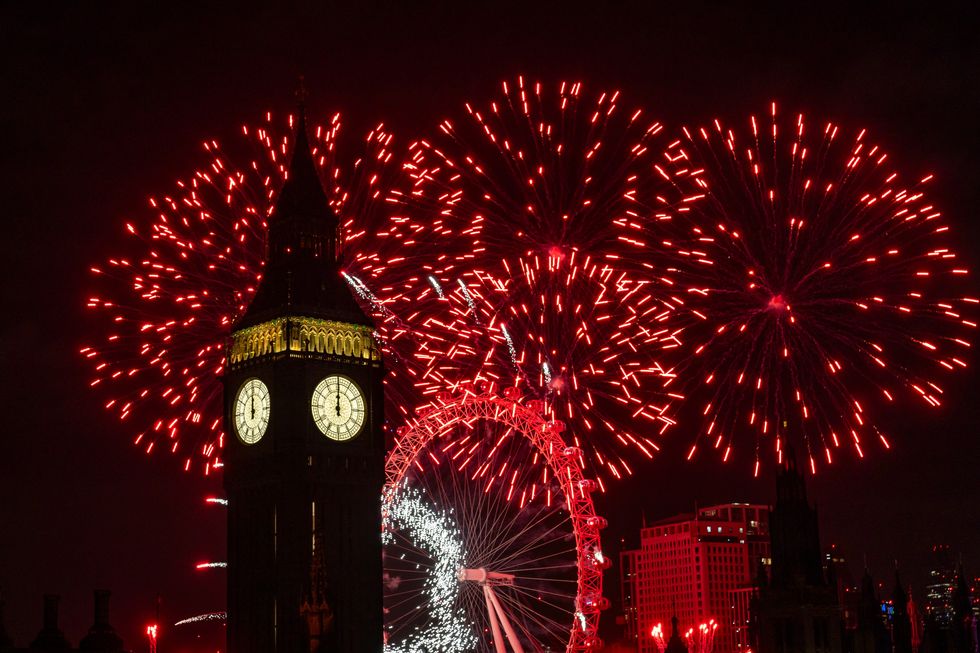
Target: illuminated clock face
column 252, row 408
column 338, row 408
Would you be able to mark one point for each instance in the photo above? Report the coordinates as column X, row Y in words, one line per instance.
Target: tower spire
column 302, row 275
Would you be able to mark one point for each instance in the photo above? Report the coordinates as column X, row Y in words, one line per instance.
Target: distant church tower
column 796, row 610
column 304, row 461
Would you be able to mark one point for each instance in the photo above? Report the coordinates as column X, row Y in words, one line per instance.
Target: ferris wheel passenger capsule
column 587, row 485
column 594, row 603
column 557, row 426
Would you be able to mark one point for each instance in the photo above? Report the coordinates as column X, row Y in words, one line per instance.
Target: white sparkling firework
column 203, row 618
column 510, row 344
column 437, row 286
column 469, row 297
column 211, row 565
column 448, row 630
column 365, row 293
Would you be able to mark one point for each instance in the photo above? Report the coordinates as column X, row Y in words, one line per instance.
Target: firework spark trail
column 702, row 638
column 818, row 286
column 194, row 264
column 533, row 183
column 211, row 565
column 657, row 633
column 203, row 618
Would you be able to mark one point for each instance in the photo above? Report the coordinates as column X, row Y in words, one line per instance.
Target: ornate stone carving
column 304, row 335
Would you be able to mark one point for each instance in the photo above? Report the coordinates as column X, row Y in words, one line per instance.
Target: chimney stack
column 6, row 644
column 101, row 638
column 102, row 607
column 51, row 611
column 50, row 638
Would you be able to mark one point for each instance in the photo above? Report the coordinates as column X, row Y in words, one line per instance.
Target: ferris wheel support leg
column 515, row 643
column 498, row 639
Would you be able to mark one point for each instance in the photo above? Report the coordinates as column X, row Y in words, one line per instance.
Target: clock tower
column 304, row 456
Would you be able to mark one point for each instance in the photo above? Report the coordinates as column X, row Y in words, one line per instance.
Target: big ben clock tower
column 304, row 460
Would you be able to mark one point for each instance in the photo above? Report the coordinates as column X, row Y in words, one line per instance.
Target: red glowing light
column 536, row 182
column 777, row 303
column 813, row 282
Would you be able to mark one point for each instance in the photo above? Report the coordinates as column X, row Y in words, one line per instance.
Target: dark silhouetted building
column 963, row 629
column 6, row 643
column 101, row 637
column 871, row 634
column 838, row 574
column 304, row 461
column 797, row 610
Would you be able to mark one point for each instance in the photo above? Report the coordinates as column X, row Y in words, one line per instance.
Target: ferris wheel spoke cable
column 537, row 594
column 541, row 541
column 542, row 516
column 548, row 624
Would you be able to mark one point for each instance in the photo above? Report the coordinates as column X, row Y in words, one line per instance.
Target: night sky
column 102, row 107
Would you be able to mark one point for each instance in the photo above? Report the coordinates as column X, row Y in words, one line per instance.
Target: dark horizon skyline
column 107, row 106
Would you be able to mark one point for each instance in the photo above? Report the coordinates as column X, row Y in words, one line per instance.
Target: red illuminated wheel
column 491, row 538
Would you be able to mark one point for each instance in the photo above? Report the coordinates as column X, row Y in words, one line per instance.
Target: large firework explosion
column 168, row 306
column 818, row 285
column 534, row 184
column 553, row 242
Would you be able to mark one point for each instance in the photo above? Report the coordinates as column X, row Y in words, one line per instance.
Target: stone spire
column 302, row 276
column 795, row 536
column 902, row 623
column 915, row 622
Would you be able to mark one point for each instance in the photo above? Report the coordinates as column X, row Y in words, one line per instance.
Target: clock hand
column 252, row 399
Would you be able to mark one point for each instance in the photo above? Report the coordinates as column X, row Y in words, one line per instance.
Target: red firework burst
column 820, row 286
column 581, row 335
column 169, row 304
column 534, row 184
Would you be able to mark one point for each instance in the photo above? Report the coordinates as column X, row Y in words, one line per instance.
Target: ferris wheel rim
column 544, row 435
